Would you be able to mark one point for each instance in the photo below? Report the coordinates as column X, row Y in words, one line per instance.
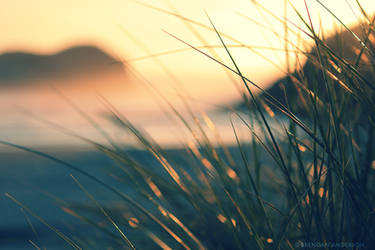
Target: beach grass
column 306, row 178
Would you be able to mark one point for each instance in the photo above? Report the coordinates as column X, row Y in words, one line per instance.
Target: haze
column 129, row 31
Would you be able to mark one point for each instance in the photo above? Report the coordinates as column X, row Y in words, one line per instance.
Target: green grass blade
column 60, row 234
column 102, row 210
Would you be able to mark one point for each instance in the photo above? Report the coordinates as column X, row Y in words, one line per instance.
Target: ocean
column 47, row 188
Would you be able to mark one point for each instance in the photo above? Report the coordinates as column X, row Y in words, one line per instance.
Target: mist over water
column 43, row 49
column 65, row 87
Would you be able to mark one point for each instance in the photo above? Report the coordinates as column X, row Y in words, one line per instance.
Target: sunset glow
column 131, row 31
column 187, row 124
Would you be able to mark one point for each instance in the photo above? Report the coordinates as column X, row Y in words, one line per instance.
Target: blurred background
column 63, row 62
column 81, row 51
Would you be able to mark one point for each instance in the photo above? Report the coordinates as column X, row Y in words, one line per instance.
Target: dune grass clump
column 310, row 181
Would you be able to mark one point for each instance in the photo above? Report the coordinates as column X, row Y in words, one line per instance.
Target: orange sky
column 45, row 26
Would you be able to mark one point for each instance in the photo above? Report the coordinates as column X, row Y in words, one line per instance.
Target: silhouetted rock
column 19, row 67
column 290, row 90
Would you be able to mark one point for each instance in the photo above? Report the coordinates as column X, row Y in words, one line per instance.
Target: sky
column 43, row 26
column 131, row 30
